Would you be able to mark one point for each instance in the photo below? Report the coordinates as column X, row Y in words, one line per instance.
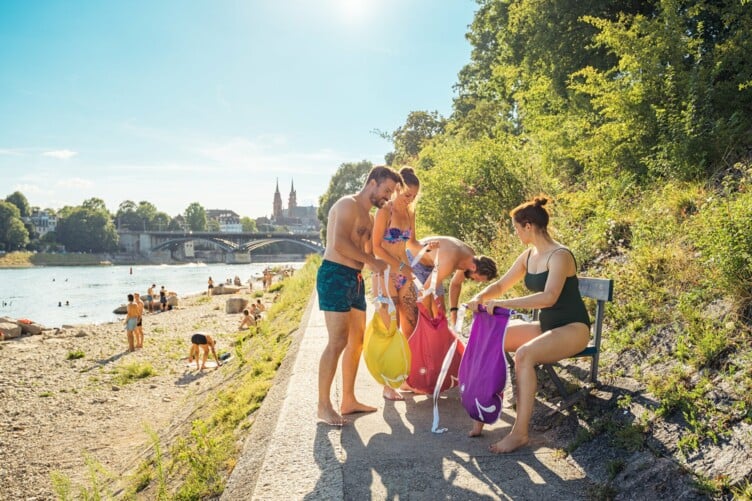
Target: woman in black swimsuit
column 549, row 271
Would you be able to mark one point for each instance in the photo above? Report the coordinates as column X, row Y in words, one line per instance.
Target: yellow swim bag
column 385, row 349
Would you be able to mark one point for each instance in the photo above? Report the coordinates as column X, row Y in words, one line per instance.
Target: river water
column 92, row 292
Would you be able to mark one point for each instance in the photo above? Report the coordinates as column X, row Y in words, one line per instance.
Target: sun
column 354, row 11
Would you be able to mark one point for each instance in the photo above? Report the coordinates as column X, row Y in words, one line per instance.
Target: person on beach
column 131, row 321
column 456, row 258
column 139, row 332
column 341, row 292
column 149, row 299
column 246, row 320
column 393, row 228
column 210, row 287
column 260, row 306
column 206, row 343
column 549, row 271
column 163, row 299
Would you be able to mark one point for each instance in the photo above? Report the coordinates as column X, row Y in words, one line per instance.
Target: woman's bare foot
column 355, row 407
column 329, row 416
column 392, row 394
column 477, row 429
column 509, row 443
column 406, row 387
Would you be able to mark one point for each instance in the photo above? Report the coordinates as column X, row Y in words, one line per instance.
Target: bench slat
column 601, row 289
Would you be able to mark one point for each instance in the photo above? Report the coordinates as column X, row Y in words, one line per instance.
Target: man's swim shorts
column 340, row 287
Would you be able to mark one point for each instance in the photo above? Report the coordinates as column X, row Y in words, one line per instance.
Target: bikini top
column 394, row 234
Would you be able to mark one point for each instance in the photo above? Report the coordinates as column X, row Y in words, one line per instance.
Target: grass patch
column 75, row 355
column 125, row 374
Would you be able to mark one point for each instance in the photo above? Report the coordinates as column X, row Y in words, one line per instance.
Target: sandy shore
column 57, row 412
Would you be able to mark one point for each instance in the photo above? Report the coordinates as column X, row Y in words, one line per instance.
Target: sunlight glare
column 354, row 11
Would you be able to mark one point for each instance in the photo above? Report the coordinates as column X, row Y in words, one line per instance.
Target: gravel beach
column 58, row 410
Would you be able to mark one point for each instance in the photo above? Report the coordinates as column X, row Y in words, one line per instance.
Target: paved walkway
column 388, row 454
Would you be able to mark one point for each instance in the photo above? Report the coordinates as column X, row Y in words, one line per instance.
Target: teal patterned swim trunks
column 340, row 288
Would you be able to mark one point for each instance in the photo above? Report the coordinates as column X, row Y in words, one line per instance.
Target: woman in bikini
column 393, row 228
column 549, row 271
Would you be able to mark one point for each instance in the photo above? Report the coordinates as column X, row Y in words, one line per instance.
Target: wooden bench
column 601, row 290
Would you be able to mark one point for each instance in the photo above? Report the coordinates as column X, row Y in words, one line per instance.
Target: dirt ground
column 57, row 412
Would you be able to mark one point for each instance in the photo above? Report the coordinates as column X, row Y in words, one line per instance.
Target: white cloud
column 75, row 183
column 61, row 154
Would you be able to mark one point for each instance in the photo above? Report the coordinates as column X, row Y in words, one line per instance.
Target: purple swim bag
column 484, row 370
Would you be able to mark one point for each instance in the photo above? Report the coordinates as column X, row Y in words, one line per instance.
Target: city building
column 295, row 218
column 229, row 221
column 43, row 220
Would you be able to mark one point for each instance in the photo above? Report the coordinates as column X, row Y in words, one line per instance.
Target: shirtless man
column 149, row 299
column 139, row 332
column 457, row 258
column 341, row 291
column 131, row 321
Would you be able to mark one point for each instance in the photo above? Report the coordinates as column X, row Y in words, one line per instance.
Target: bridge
column 151, row 242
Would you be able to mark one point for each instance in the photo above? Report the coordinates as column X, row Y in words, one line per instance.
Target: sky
column 213, row 101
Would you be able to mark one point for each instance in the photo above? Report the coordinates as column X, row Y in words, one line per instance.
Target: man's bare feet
column 477, row 429
column 330, row 417
column 355, row 407
column 390, row 393
column 509, row 443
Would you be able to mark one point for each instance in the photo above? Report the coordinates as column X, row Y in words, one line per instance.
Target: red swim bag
column 429, row 344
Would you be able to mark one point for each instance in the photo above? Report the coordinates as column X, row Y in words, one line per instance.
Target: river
column 92, row 292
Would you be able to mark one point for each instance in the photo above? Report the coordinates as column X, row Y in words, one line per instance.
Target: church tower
column 292, row 202
column 277, row 214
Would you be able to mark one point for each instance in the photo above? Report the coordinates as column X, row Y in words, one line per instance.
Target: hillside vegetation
column 634, row 118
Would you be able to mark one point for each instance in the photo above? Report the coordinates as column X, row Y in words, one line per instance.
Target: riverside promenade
column 388, row 454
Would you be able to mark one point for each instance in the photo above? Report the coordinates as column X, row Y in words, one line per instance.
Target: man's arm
column 455, row 288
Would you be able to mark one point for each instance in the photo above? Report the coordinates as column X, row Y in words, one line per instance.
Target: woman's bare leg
column 546, row 348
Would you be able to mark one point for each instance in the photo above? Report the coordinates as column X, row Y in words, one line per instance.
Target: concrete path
column 389, row 454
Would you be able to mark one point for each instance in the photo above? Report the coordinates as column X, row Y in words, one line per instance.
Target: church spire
column 277, row 210
column 292, row 202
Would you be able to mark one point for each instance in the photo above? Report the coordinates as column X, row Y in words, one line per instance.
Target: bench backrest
column 602, row 290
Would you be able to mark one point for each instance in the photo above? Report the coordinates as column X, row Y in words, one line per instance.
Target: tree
column 146, row 212
column 19, row 200
column 161, row 221
column 13, row 234
column 126, row 216
column 249, row 225
column 349, row 179
column 95, row 204
column 195, row 217
column 83, row 229
column 410, row 138
column 470, row 188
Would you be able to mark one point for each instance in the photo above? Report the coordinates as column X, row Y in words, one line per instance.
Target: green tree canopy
column 195, row 217
column 84, row 229
column 249, row 225
column 19, row 200
column 13, row 233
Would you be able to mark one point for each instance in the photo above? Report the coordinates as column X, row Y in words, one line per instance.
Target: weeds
column 76, row 354
column 128, row 373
